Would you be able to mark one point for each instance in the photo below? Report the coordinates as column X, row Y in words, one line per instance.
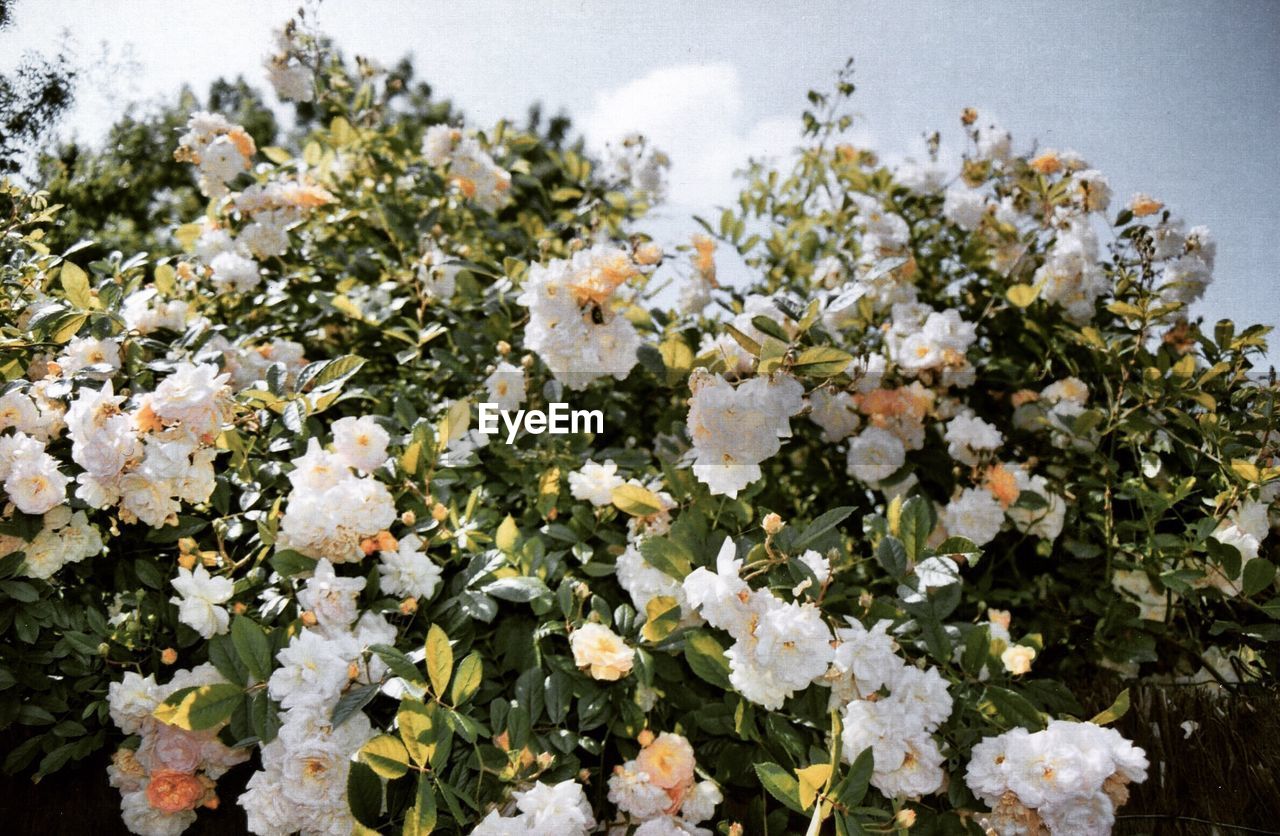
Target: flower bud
column 905, row 818
column 168, row 656
column 772, row 524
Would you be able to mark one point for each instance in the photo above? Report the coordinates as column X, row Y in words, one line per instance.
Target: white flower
column 634, row 794
column 968, row 437
column 360, row 443
column 506, row 387
column 193, row 395
column 132, row 700
column 964, row 206
column 84, row 352
column 199, row 598
column 1045, row 521
column 718, row 595
column 408, row 571
column 313, row 671
column 595, row 483
column 735, row 428
column 863, row 662
column 34, row 483
column 17, row 410
column 835, row 412
column 572, row 325
column 331, row 598
column 235, row 272
column 875, row 455
column 974, row 514
column 700, row 802
column 556, row 810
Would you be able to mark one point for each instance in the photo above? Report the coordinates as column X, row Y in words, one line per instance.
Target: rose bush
column 847, row 538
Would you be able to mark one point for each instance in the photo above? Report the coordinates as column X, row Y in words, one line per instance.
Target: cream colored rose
column 1017, row 659
column 602, row 651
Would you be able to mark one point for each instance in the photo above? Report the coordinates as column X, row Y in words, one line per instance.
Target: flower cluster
column 172, row 771
column 1068, row 778
column 573, row 325
column 656, row 789
column 332, row 511
column 735, row 428
column 470, row 168
column 780, row 647
column 544, row 809
column 222, row 151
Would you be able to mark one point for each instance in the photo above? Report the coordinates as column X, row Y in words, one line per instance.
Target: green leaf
column 636, row 501
column 417, row 729
column 1258, row 575
column 195, row 709
column 1013, row 708
column 892, row 555
column 820, row 526
column 400, row 664
column 364, row 797
column 75, row 284
column 703, row 652
column 353, row 701
column 959, row 547
column 667, row 556
column 507, row 536
column 857, row 780
column 386, row 756
column 1115, row 711
column 915, row 524
column 252, row 646
column 468, row 679
column 822, row 361
column 439, row 659
column 421, row 818
column 780, row 784
column 662, row 617
column 520, row 589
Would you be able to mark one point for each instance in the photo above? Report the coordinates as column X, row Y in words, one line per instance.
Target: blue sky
column 1173, row 98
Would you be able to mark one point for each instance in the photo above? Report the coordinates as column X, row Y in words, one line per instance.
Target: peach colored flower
column 172, row 792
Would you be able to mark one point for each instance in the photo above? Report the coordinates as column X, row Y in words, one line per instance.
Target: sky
column 1169, row 98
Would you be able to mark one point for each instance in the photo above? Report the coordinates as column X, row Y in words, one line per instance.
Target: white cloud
column 696, row 113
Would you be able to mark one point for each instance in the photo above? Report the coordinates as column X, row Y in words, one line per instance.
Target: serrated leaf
column 386, row 756
column 400, row 664
column 252, row 646
column 812, row 780
column 780, row 785
column 662, row 617
column 196, row 709
column 421, row 818
column 467, row 680
column 416, row 722
column 1258, row 574
column 703, row 652
column 1246, row 470
column 667, row 556
column 820, row 526
column 439, row 659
